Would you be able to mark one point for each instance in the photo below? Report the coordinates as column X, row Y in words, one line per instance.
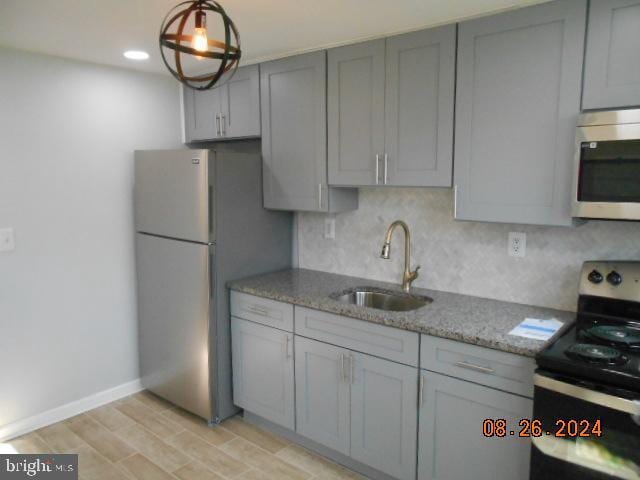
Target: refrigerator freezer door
column 172, row 194
column 173, row 318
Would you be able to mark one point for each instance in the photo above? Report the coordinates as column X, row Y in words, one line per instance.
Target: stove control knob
column 595, row 277
column 614, row 278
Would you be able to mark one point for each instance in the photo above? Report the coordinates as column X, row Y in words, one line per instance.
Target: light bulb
column 200, row 41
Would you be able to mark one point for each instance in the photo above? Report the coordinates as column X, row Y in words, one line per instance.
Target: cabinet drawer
column 386, row 342
column 262, row 310
column 502, row 370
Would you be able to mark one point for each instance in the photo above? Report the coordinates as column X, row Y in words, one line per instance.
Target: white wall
column 462, row 257
column 67, row 292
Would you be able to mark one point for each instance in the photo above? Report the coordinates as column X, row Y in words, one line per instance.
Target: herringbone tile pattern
column 461, row 257
column 145, row 438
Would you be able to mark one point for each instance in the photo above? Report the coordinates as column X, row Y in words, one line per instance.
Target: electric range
column 587, row 386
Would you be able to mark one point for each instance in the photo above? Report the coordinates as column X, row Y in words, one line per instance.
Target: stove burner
column 616, row 336
column 596, row 354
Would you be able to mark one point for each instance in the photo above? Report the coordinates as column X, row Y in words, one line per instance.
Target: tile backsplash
column 461, row 257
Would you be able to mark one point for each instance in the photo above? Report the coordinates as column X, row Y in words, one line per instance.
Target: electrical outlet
column 517, row 244
column 329, row 228
column 7, row 240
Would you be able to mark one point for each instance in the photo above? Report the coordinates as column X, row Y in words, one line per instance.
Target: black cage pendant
column 215, row 57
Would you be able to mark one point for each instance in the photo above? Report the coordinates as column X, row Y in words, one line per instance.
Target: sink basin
column 382, row 299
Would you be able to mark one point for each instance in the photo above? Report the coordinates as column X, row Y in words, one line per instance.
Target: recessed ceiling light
column 136, row 55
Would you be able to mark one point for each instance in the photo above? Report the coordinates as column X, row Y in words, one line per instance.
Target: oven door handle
column 616, row 403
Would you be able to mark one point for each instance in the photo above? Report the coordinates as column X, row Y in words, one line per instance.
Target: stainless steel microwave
column 607, row 166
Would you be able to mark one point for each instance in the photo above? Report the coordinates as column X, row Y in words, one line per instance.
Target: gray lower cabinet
column 263, row 372
column 229, row 111
column 517, row 100
column 322, row 394
column 612, row 63
column 390, row 110
column 294, row 137
column 358, row 405
column 452, row 445
column 383, row 415
column 396, row 419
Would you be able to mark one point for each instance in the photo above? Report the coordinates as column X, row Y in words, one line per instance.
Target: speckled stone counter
column 474, row 320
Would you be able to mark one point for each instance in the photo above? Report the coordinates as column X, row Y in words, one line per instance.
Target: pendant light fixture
column 217, row 57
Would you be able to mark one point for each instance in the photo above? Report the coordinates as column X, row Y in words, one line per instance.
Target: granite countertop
column 474, row 320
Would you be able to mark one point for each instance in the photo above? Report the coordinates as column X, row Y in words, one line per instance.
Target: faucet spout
column 408, row 276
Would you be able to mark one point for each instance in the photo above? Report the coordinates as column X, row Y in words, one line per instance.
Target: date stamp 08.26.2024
column 528, row 428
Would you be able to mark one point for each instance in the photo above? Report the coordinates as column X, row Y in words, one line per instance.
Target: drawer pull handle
column 286, row 348
column 476, row 368
column 352, row 373
column 259, row 311
column 342, row 371
column 421, row 392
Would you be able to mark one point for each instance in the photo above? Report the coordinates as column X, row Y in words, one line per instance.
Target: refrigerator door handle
column 211, row 209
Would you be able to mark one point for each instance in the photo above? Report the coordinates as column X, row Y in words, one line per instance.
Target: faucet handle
column 413, row 275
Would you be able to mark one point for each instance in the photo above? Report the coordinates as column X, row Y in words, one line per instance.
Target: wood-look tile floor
column 142, row 437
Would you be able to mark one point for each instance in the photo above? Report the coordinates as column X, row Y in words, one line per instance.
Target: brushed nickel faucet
column 408, row 276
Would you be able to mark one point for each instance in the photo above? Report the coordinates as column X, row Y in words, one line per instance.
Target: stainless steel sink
column 382, row 299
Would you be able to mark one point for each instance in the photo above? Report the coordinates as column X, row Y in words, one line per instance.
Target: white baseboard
column 15, row 429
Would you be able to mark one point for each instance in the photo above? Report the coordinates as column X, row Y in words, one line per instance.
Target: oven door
column 607, row 178
column 586, row 432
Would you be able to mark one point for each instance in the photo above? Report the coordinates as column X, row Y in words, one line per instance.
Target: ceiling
column 101, row 30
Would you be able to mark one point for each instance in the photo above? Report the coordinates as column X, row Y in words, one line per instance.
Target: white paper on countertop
column 537, row 329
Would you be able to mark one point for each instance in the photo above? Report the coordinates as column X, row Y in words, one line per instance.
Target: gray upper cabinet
column 201, row 114
column 419, row 102
column 452, row 445
column 294, row 135
column 383, row 415
column 612, row 63
column 390, row 110
column 356, row 113
column 229, row 111
column 517, row 101
column 240, row 116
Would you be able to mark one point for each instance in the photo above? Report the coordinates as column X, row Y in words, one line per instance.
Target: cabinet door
column 452, row 445
column 517, row 102
column 355, row 108
column 294, row 132
column 384, row 415
column 201, row 111
column 263, row 381
column 420, row 83
column 612, row 63
column 322, row 394
column 240, row 113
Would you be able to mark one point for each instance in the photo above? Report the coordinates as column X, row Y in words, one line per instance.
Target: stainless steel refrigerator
column 199, row 223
